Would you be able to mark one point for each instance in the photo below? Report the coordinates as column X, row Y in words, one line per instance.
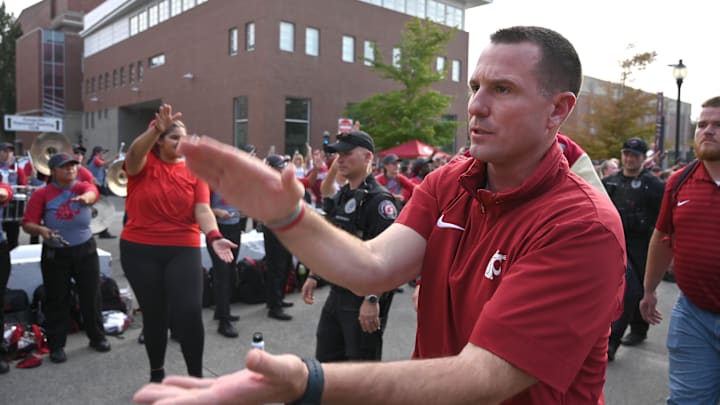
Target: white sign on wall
column 32, row 124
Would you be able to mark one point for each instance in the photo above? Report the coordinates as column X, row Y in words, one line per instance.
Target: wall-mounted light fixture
column 94, row 99
column 135, row 89
column 188, row 76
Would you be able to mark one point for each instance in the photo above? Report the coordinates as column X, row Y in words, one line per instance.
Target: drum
column 15, row 208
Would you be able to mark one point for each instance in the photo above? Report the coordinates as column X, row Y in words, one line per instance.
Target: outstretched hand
column 223, row 249
column 243, row 181
column 266, row 379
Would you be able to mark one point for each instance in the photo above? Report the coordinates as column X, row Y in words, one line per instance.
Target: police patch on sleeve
column 387, row 210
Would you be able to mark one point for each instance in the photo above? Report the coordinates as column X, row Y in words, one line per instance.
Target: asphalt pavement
column 637, row 377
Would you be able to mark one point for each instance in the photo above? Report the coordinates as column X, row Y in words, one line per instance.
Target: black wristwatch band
column 315, row 384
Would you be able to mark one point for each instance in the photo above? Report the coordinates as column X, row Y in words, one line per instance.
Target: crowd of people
column 520, row 213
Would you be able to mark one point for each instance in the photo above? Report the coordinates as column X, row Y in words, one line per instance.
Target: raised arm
column 393, row 258
column 136, row 155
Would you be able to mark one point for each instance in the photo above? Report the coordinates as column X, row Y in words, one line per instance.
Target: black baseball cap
column 635, row 145
column 277, row 161
column 77, row 148
column 6, row 146
column 348, row 142
column 391, row 158
column 60, row 159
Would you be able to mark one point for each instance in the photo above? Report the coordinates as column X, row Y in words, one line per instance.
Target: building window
column 131, row 73
column 415, row 8
column 142, row 21
column 369, row 52
column 396, row 57
column 153, row 15
column 122, row 76
column 175, row 7
column 312, row 41
column 297, row 124
column 454, row 17
column 115, row 78
column 455, row 70
column 287, row 36
column 440, row 64
column 240, row 121
column 233, row 41
column 92, row 85
column 163, row 10
column 141, row 71
column 348, row 49
column 106, row 81
column 396, row 5
column 250, row 36
column 188, row 4
column 155, row 61
column 133, row 25
column 436, row 11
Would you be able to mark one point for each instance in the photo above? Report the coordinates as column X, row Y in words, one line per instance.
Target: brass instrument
column 46, row 145
column 116, row 177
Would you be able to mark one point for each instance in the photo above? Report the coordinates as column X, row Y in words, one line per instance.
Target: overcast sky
column 602, row 30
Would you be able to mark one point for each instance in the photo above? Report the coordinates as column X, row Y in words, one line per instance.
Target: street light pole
column 679, row 73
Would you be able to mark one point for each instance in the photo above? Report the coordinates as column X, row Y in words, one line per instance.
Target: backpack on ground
column 110, row 295
column 251, row 281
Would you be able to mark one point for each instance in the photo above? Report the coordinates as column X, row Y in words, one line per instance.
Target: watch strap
column 315, row 383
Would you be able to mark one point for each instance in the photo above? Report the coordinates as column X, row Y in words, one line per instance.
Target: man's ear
column 563, row 104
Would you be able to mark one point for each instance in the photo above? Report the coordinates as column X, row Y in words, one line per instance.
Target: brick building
column 48, row 64
column 267, row 72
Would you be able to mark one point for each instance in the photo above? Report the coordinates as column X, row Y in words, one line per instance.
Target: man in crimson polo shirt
column 522, row 261
column 687, row 231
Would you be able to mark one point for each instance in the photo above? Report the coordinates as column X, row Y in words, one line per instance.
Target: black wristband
column 315, row 384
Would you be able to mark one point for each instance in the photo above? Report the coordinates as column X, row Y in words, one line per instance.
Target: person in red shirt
column 167, row 208
column 397, row 184
column 12, row 175
column 6, row 194
column 687, row 232
column 61, row 212
column 522, row 261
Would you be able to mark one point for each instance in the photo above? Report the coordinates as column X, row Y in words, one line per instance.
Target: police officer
column 637, row 195
column 279, row 261
column 351, row 326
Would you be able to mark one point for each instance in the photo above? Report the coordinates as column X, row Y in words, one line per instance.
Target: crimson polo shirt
column 534, row 275
column 693, row 217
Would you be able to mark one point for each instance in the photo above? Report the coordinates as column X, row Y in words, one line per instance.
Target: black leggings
column 168, row 283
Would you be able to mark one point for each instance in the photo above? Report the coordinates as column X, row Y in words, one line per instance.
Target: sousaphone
column 117, row 178
column 46, row 145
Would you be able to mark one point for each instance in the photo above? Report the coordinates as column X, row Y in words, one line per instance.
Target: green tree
column 415, row 110
column 9, row 32
column 615, row 113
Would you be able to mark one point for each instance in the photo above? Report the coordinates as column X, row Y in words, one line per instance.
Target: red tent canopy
column 409, row 150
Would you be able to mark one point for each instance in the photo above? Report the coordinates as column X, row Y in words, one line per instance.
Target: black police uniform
column 638, row 200
column 364, row 212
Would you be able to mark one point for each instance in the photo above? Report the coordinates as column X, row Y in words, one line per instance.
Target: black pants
column 339, row 335
column 4, row 276
column 168, row 283
column 279, row 262
column 58, row 266
column 12, row 231
column 631, row 307
column 225, row 274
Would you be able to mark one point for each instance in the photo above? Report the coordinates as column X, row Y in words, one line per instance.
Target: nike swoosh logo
column 681, row 203
column 443, row 224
